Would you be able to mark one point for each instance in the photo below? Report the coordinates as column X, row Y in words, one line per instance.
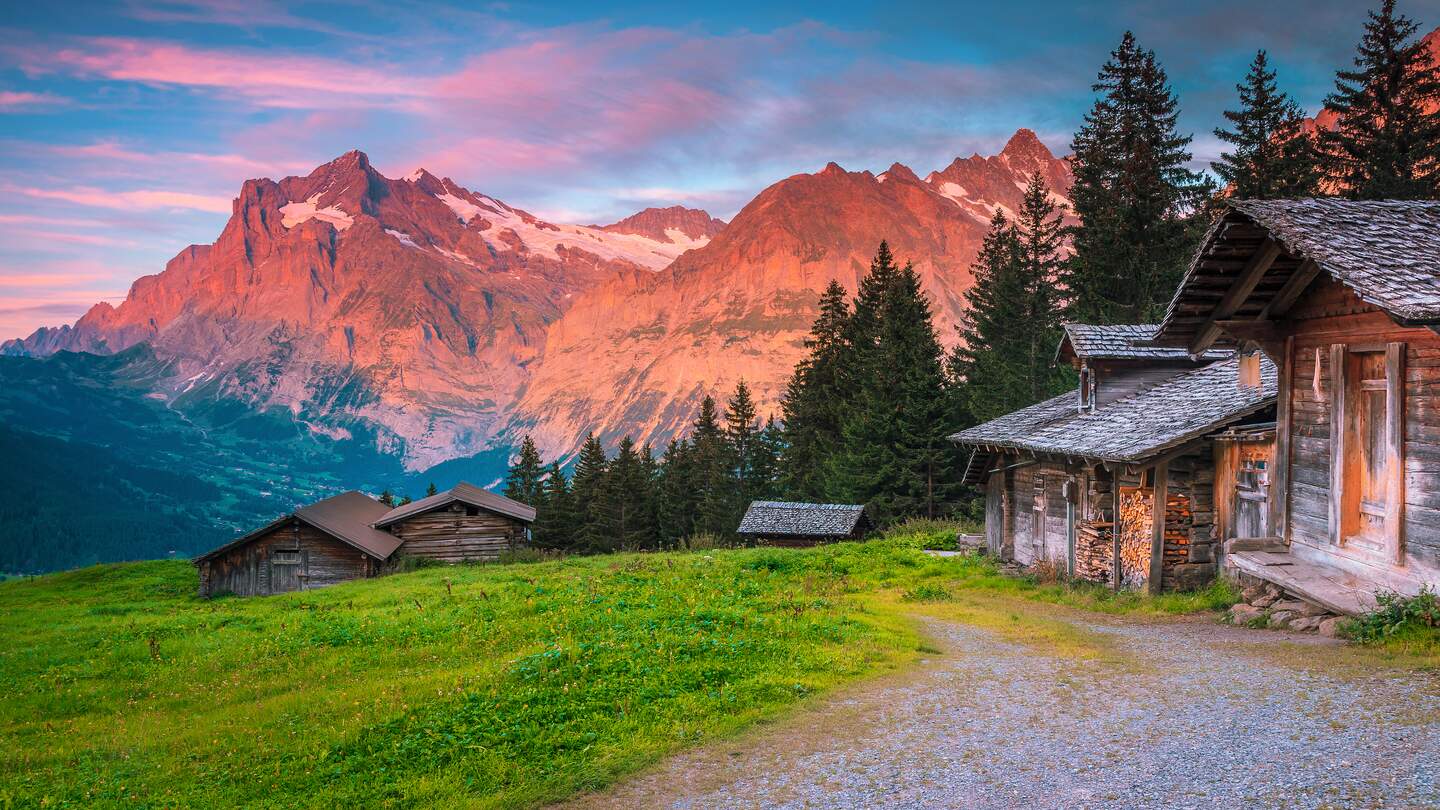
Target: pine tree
column 1132, row 194
column 814, row 402
column 986, row 363
column 1273, row 157
column 586, row 493
column 431, row 490
column 527, row 474
column 649, row 532
column 769, row 446
column 1040, row 238
column 742, row 435
column 677, row 499
column 714, row 477
column 555, row 520
column 387, row 497
column 1386, row 142
column 624, row 509
column 895, row 455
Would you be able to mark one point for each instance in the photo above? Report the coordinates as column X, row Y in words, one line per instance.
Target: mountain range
column 445, row 323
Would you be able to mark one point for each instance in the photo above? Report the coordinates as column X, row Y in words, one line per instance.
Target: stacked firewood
column 1093, row 550
column 1178, row 521
column 1134, row 528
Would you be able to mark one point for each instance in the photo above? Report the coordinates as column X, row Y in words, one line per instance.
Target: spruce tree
column 1272, row 156
column 586, row 494
column 555, row 518
column 769, row 446
column 1040, row 240
column 714, row 477
column 527, row 474
column 814, row 402
column 387, row 497
column 650, row 476
column 623, row 508
column 677, row 498
column 1386, row 142
column 1132, row 194
column 742, row 435
column 986, row 364
column 431, row 490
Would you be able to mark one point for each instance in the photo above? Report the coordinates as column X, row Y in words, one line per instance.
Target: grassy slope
column 514, row 685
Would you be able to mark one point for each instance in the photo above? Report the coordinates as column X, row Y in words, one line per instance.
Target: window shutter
column 1337, row 442
column 1395, row 451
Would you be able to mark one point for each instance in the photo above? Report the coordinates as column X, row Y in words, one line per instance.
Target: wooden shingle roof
column 1142, row 425
column 1387, row 251
column 1090, row 341
column 801, row 519
column 468, row 494
column 347, row 517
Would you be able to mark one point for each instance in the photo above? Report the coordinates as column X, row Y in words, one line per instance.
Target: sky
column 127, row 127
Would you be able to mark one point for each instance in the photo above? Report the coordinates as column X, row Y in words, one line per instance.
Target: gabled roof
column 462, row 492
column 1387, row 251
column 804, row 519
column 347, row 517
column 1144, row 424
column 1090, row 341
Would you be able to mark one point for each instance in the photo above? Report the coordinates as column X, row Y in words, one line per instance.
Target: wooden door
column 1251, row 507
column 285, row 570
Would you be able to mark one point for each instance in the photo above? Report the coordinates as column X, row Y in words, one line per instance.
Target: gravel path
column 1198, row 715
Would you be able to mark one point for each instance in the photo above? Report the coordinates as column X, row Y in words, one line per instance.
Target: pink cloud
column 48, row 279
column 14, row 100
column 145, row 199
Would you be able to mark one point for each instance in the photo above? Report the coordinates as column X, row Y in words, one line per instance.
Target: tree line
column 865, row 415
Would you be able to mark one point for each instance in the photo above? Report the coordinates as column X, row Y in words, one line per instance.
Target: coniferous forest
column 866, row 413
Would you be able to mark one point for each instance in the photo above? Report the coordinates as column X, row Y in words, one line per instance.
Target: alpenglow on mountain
column 439, row 323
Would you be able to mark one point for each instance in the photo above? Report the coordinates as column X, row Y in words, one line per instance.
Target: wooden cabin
column 1115, row 482
column 1343, row 296
column 353, row 536
column 784, row 523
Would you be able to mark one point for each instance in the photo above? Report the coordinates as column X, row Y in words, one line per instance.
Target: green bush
column 927, row 593
column 1398, row 615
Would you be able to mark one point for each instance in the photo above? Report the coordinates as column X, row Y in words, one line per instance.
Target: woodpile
column 1133, row 509
column 1093, row 545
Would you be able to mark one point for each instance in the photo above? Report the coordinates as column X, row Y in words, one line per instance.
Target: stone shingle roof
column 1166, row 415
column 1120, row 342
column 1387, row 251
column 802, row 519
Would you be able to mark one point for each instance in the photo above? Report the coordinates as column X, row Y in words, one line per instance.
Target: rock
column 1252, row 593
column 1242, row 614
column 1305, row 624
column 1274, row 590
column 1293, row 605
column 1265, row 600
column 1312, row 609
column 1280, row 619
column 1330, row 628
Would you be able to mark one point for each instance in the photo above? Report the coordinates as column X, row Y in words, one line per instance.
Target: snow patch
column 463, row 208
column 294, row 213
column 403, row 238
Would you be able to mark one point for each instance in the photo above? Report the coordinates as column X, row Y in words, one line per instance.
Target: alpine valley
column 349, row 330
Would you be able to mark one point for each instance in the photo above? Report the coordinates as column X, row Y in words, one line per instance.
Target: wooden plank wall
column 452, row 536
column 245, row 570
column 1116, row 379
column 1331, row 314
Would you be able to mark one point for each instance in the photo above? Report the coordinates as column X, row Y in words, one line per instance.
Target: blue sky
column 126, row 127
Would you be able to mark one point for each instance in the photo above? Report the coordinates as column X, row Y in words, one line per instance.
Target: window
column 472, row 511
column 285, row 557
column 1367, row 442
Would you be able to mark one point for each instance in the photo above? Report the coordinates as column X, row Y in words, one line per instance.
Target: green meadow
column 477, row 686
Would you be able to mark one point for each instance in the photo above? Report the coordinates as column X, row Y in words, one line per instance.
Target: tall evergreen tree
column 555, row 520
column 650, row 474
column 814, row 402
column 623, row 508
column 714, row 479
column 431, row 490
column 765, row 469
column 896, row 457
column 678, row 499
column 1386, row 142
column 990, row 377
column 1273, row 157
column 586, row 493
column 1132, row 193
column 742, row 434
column 526, row 478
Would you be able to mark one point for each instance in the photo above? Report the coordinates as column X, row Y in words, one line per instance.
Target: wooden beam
column 1395, row 452
column 1265, row 335
column 1280, row 481
column 1160, row 495
column 1337, row 442
column 1298, row 282
column 1240, row 289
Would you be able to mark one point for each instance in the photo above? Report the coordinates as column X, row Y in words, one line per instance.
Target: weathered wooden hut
column 1115, row 482
column 329, row 541
column 785, row 523
column 352, row 536
column 460, row 525
column 1344, row 296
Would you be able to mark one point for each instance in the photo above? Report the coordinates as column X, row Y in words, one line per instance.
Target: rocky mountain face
column 439, row 323
column 637, row 353
column 410, row 307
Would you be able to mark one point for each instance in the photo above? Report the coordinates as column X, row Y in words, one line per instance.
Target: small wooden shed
column 787, row 523
column 321, row 544
column 463, row 524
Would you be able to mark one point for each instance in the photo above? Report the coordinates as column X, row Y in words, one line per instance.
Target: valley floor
column 1163, row 714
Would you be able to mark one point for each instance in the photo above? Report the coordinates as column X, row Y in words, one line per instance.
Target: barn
column 353, row 536
column 1122, row 480
column 786, row 523
column 1344, row 297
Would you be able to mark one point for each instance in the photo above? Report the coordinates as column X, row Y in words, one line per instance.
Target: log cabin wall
column 451, row 534
column 1330, row 315
column 293, row 556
